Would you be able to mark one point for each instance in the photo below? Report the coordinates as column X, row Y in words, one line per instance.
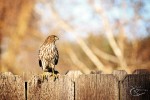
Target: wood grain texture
column 77, row 86
column 11, row 87
column 85, row 87
column 96, row 87
column 107, row 87
column 74, row 74
column 141, row 71
column 61, row 89
column 120, row 74
column 135, row 87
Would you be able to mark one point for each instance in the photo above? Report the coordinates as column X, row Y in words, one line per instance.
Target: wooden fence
column 77, row 86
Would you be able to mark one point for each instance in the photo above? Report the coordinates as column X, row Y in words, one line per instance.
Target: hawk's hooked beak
column 56, row 38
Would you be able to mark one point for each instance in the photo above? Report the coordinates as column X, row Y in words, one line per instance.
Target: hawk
column 48, row 55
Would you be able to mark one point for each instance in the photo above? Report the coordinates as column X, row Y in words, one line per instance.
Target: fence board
column 85, row 87
column 135, row 87
column 11, row 87
column 107, row 87
column 96, row 87
column 141, row 71
column 73, row 75
column 120, row 74
column 61, row 89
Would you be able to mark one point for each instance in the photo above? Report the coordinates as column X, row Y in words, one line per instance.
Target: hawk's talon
column 56, row 76
column 45, row 75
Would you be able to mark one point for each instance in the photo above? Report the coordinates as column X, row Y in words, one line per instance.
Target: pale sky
column 82, row 16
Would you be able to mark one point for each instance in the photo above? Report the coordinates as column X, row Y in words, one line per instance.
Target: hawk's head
column 51, row 38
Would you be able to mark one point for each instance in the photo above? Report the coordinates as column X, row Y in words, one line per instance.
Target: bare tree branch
column 104, row 55
column 77, row 62
column 110, row 36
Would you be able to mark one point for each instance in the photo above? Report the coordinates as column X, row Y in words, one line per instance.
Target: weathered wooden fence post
column 96, row 87
column 73, row 75
column 12, row 87
column 61, row 89
column 141, row 71
column 119, row 74
column 136, row 86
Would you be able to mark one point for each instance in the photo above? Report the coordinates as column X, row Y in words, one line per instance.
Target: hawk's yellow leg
column 45, row 75
column 54, row 75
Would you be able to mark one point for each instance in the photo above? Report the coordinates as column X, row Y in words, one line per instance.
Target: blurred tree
column 14, row 20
